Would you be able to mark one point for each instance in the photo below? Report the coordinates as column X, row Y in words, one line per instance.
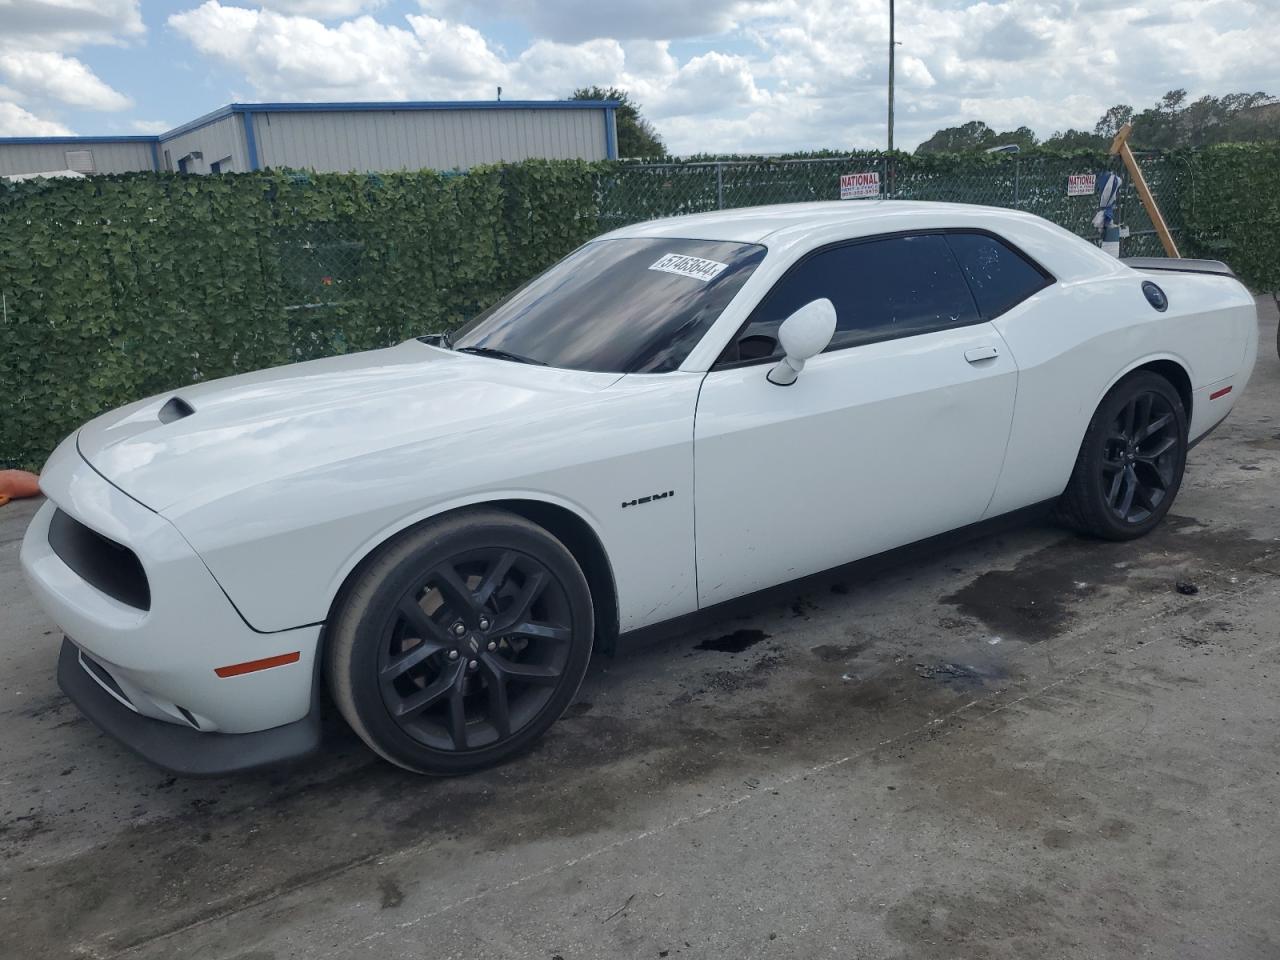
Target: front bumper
column 159, row 664
column 182, row 750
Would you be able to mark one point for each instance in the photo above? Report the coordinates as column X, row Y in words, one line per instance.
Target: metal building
column 339, row 137
column 81, row 154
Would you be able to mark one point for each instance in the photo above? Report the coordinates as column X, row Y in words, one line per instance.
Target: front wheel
column 1130, row 464
column 461, row 642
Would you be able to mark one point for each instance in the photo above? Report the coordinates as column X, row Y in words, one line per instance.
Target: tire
column 460, row 642
column 1121, row 489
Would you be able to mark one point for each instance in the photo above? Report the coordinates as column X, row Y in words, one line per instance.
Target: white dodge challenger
column 677, row 413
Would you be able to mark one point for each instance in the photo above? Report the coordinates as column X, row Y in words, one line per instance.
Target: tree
column 1024, row 137
column 636, row 135
column 1253, row 116
column 1157, row 127
column 1173, row 122
column 1109, row 123
column 1076, row 140
column 1170, row 122
column 974, row 135
column 1203, row 121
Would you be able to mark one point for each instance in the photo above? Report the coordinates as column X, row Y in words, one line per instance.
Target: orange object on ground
column 16, row 484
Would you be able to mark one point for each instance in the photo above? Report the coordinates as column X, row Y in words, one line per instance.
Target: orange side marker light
column 251, row 666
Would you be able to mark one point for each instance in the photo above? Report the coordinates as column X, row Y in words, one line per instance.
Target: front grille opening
column 187, row 715
column 103, row 676
column 111, row 567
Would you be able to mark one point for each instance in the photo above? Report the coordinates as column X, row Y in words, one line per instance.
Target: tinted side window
column 895, row 287
column 1001, row 278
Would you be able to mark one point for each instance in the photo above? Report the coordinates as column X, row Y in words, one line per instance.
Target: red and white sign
column 1081, row 184
column 855, row 185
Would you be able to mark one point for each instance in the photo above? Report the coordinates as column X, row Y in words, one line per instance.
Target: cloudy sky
column 713, row 75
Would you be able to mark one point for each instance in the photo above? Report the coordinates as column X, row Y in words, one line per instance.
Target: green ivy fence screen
column 115, row 288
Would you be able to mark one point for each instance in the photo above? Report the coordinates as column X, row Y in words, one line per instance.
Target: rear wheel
column 1130, row 464
column 461, row 642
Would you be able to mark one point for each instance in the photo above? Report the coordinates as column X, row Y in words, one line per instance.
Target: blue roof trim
column 43, row 140
column 220, row 114
column 359, row 105
column 335, row 107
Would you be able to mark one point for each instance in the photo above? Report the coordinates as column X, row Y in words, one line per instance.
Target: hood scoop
column 175, row 409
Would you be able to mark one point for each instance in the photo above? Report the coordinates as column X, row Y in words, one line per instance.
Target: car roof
column 755, row 224
column 791, row 229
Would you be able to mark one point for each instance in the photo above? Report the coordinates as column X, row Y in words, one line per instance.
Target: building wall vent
column 81, row 161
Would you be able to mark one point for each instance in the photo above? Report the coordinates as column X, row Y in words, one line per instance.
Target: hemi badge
column 251, row 666
column 649, row 499
column 1219, row 393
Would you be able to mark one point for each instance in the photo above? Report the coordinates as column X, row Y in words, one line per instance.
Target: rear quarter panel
column 1075, row 340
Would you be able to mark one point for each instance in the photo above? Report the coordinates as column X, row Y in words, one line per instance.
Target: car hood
column 211, row 439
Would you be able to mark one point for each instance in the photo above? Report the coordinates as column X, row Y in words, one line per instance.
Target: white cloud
column 705, row 85
column 916, row 72
column 572, row 21
column 323, row 9
column 69, row 24
column 554, row 70
column 150, row 126
column 454, row 52
column 44, row 76
column 40, row 77
column 758, row 75
column 650, row 58
column 292, row 57
column 17, row 122
column 1045, row 63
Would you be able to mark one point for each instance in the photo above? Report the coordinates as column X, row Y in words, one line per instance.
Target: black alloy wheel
column 475, row 650
column 1140, row 456
column 460, row 641
column 1131, row 460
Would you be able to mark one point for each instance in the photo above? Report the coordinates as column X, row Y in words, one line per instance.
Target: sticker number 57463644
column 694, row 267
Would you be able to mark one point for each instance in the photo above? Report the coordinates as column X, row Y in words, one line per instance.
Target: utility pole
column 892, row 44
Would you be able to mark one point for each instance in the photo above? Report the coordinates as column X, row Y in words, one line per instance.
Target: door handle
column 977, row 354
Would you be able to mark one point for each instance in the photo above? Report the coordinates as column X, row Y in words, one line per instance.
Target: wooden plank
column 1120, row 145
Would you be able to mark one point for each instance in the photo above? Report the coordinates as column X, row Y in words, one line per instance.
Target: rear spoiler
column 1178, row 265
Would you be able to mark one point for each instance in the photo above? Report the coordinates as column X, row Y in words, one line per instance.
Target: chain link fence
column 1168, row 176
column 323, row 269
column 117, row 287
column 320, row 271
column 636, row 192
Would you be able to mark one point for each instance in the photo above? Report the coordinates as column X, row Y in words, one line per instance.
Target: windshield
column 616, row 306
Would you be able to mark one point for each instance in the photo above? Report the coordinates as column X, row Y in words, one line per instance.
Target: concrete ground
column 1027, row 746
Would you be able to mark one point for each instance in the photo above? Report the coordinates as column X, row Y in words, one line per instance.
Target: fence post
column 1017, row 181
column 1119, row 218
column 719, row 185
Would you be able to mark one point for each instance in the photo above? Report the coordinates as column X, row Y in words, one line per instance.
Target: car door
column 895, row 433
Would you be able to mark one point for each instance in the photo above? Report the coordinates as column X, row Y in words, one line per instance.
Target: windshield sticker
column 695, row 267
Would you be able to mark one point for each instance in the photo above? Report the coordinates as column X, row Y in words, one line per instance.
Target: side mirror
column 804, row 334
